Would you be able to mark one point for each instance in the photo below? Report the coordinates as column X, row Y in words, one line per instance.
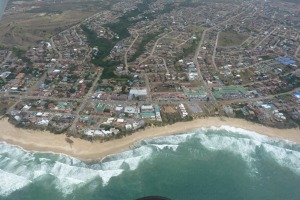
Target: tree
column 89, row 84
column 72, row 90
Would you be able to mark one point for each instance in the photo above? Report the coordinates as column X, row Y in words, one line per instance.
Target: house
column 119, row 108
column 128, row 126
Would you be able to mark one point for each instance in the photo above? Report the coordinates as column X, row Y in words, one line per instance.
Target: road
column 129, row 48
column 184, row 42
column 257, row 45
column 208, row 90
column 55, row 49
column 214, row 53
column 149, row 95
column 73, row 128
column 256, row 99
column 7, row 57
column 166, row 67
column 154, row 47
column 32, row 97
column 43, row 78
column 66, row 39
column 297, row 52
column 156, row 43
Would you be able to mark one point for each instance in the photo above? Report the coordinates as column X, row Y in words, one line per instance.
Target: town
column 139, row 63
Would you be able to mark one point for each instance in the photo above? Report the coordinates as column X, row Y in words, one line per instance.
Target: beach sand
column 48, row 142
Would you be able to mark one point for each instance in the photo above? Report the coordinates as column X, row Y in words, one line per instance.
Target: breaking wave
column 20, row 168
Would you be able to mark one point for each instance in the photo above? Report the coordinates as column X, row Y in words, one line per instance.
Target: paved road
column 129, row 48
column 55, row 49
column 7, row 57
column 32, row 97
column 257, row 45
column 208, row 90
column 214, row 53
column 154, row 47
column 73, row 128
column 256, row 99
column 149, row 95
column 297, row 51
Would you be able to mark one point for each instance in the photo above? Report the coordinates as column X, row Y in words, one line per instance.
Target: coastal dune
column 45, row 141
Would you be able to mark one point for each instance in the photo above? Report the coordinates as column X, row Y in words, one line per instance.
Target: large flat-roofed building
column 138, row 92
column 147, row 108
column 147, row 111
column 148, row 115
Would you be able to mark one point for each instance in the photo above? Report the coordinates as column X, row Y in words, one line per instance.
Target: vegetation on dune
column 188, row 50
column 120, row 29
column 105, row 46
column 141, row 48
column 20, row 53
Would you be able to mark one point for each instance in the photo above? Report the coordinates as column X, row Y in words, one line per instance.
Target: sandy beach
column 48, row 142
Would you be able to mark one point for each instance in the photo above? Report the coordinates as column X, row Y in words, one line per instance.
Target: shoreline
column 44, row 141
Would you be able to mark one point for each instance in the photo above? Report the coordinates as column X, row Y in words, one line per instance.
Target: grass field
column 197, row 29
column 24, row 29
column 231, row 39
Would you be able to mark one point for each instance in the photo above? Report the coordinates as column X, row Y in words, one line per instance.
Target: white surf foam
column 71, row 177
column 172, row 139
column 108, row 174
column 132, row 158
column 112, row 165
column 166, row 146
column 11, row 182
column 246, row 146
column 240, row 131
column 23, row 167
column 284, row 157
column 241, row 146
column 133, row 162
column 70, row 173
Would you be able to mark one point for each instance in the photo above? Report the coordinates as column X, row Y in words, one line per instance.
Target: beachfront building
column 157, row 113
column 183, row 111
column 147, row 112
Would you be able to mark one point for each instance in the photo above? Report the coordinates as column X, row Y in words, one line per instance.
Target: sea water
column 216, row 163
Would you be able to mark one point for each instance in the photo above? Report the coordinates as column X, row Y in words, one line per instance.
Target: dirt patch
column 169, row 109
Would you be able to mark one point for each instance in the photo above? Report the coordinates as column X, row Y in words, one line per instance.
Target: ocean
column 204, row 164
